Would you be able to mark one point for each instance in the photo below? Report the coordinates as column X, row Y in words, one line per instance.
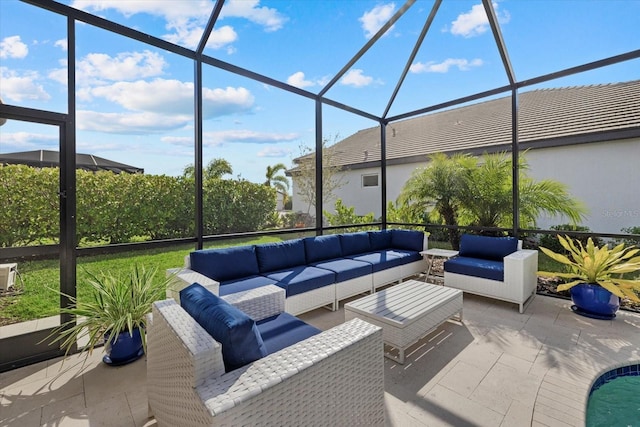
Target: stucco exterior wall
column 604, row 176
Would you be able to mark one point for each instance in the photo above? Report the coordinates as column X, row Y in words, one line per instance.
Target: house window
column 370, row 180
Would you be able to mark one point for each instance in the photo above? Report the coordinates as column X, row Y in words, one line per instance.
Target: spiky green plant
column 601, row 265
column 115, row 304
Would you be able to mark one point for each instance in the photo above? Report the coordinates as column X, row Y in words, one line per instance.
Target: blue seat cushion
column 300, row 279
column 355, row 243
column 380, row 240
column 406, row 256
column 240, row 285
column 488, row 269
column 225, row 263
column 280, row 255
column 410, row 240
column 487, row 247
column 284, row 330
column 380, row 260
column 233, row 329
column 345, row 268
column 320, row 248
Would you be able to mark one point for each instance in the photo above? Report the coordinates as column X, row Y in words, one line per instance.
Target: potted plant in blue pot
column 596, row 276
column 114, row 313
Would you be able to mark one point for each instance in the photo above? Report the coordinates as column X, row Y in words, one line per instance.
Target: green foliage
column 236, row 206
column 552, row 243
column 116, row 208
column 117, row 303
column 631, row 241
column 29, row 213
column 346, row 215
column 405, row 213
column 466, row 190
column 592, row 264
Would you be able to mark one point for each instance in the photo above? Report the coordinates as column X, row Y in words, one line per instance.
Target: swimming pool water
column 615, row 403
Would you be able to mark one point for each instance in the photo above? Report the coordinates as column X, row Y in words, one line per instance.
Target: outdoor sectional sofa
column 495, row 267
column 313, row 271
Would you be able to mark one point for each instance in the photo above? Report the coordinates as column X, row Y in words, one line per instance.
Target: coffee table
column 407, row 312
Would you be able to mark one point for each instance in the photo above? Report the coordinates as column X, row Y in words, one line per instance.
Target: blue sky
column 135, row 102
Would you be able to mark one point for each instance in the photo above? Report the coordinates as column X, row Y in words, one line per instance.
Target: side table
column 431, row 254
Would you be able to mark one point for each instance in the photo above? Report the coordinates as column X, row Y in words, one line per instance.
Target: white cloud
column 186, row 23
column 130, row 123
column 356, row 78
column 269, row 18
column 475, row 22
column 18, row 87
column 96, row 67
column 62, row 44
column 444, row 66
column 12, row 47
column 275, row 152
column 297, row 80
column 246, row 136
column 175, row 97
column 374, row 19
column 26, row 140
column 178, row 140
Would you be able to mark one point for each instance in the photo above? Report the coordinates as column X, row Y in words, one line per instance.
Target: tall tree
column 304, row 174
column 279, row 182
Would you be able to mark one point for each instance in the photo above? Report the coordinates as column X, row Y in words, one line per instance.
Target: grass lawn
column 38, row 300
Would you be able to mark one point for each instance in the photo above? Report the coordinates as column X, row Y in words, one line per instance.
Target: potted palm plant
column 114, row 314
column 596, row 276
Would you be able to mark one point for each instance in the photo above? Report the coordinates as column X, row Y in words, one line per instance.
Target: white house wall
column 608, row 185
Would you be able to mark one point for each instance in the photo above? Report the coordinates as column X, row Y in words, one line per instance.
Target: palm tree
column 465, row 190
column 216, row 168
column 279, row 182
column 435, row 189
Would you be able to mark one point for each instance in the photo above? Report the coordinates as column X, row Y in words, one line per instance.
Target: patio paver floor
column 498, row 368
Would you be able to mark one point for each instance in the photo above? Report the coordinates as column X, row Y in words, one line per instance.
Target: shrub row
column 117, row 208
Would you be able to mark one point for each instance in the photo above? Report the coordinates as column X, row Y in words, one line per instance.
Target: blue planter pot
column 126, row 349
column 594, row 301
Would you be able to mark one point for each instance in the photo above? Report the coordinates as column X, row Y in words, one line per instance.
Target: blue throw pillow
column 225, row 264
column 380, row 240
column 320, row 248
column 487, row 247
column 233, row 329
column 355, row 243
column 409, row 240
column 280, row 255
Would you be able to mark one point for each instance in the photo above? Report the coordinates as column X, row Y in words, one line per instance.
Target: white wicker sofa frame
column 520, row 279
column 324, row 296
column 333, row 378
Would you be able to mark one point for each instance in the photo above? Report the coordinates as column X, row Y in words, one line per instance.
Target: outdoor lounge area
column 341, row 213
column 497, row 368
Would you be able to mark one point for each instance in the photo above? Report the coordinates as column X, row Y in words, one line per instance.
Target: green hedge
column 117, row 208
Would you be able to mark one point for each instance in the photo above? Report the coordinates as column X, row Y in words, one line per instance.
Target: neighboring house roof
column 49, row 158
column 547, row 117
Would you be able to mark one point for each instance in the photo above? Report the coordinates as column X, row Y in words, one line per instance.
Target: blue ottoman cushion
column 245, row 284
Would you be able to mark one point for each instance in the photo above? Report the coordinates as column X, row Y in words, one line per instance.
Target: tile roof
column 562, row 115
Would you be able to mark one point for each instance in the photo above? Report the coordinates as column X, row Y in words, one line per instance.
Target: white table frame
column 407, row 312
column 431, row 254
